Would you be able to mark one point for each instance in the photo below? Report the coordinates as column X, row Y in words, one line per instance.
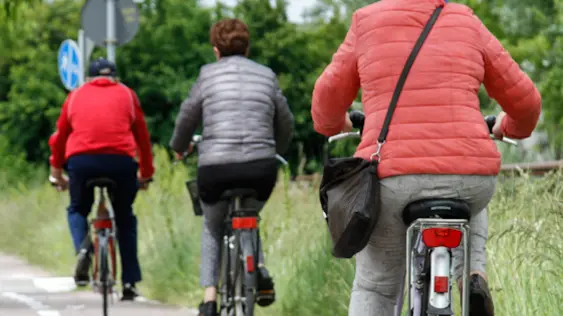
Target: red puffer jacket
column 437, row 127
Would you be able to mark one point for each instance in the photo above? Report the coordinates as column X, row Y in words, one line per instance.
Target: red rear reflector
column 245, row 222
column 249, row 264
column 441, row 237
column 102, row 224
column 441, row 284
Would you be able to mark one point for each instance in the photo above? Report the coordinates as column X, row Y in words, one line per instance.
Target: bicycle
column 238, row 280
column 104, row 274
column 435, row 227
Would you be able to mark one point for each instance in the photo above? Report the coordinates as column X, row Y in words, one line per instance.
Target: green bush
column 525, row 248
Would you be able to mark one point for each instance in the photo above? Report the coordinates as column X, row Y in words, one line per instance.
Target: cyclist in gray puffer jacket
column 246, row 121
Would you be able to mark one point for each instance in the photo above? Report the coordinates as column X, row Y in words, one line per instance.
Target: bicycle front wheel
column 104, row 273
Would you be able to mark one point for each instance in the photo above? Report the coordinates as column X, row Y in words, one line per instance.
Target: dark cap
column 102, row 67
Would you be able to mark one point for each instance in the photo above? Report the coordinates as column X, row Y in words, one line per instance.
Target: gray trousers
column 214, row 216
column 380, row 267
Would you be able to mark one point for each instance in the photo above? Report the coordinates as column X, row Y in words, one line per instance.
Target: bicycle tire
column 237, row 283
column 249, row 295
column 104, row 277
column 224, row 279
column 248, row 279
column 240, row 304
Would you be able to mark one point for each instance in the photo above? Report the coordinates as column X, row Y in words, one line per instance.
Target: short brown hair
column 230, row 36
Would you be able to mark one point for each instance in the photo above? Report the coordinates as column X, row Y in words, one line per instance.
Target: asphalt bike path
column 26, row 290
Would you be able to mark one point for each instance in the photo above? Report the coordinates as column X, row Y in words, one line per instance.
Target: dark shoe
column 480, row 298
column 208, row 309
column 82, row 269
column 129, row 292
column 266, row 294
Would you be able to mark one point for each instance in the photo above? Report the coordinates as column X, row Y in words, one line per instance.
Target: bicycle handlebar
column 343, row 136
column 196, row 139
column 491, row 120
column 358, row 118
column 52, row 180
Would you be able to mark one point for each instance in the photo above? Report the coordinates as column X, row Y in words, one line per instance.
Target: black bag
column 349, row 191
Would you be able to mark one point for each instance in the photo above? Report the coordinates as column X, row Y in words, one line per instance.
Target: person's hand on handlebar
column 497, row 128
column 181, row 156
column 348, row 126
column 143, row 182
column 61, row 179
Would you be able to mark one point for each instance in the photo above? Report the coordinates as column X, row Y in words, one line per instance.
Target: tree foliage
column 163, row 60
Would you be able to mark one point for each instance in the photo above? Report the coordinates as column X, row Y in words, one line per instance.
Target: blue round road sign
column 69, row 63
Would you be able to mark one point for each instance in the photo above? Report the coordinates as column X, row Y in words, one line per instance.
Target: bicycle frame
column 439, row 266
column 105, row 236
column 239, row 253
column 431, row 263
column 104, row 239
column 239, row 259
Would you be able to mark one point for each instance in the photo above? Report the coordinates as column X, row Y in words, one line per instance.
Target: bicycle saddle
column 442, row 208
column 242, row 193
column 101, row 182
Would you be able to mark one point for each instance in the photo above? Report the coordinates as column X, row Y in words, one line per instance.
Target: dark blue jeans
column 123, row 170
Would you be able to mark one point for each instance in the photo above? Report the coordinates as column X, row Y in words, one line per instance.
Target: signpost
column 86, row 46
column 70, row 64
column 110, row 23
column 105, row 23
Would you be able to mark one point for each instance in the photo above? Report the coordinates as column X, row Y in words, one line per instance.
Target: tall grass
column 525, row 249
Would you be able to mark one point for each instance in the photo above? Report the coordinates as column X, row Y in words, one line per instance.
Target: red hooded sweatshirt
column 102, row 117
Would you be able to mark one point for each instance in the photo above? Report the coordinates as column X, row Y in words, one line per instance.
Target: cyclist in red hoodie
column 100, row 131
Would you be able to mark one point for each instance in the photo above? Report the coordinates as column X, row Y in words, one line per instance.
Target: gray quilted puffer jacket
column 244, row 113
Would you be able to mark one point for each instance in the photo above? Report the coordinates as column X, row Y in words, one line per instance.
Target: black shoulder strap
column 403, row 77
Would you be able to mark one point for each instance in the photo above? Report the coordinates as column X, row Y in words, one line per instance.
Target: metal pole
column 111, row 36
column 82, row 47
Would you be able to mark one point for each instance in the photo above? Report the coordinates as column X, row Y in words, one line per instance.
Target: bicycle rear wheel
column 104, row 273
column 237, row 291
column 225, row 280
column 247, row 268
column 240, row 303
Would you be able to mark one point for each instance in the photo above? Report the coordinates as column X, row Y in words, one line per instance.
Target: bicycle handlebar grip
column 491, row 121
column 197, row 138
column 357, row 118
column 52, row 181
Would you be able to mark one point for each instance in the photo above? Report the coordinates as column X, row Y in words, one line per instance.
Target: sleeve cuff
column 147, row 172
column 330, row 131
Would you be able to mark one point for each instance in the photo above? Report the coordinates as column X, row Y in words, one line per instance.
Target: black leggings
column 259, row 175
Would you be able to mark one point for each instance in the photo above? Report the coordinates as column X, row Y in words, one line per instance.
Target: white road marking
column 55, row 285
column 40, row 308
column 48, row 313
column 143, row 299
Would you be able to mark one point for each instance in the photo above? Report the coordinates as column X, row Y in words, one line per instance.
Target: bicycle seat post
column 237, row 201
column 101, row 211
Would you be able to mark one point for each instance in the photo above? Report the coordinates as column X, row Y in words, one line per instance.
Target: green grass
column 525, row 248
